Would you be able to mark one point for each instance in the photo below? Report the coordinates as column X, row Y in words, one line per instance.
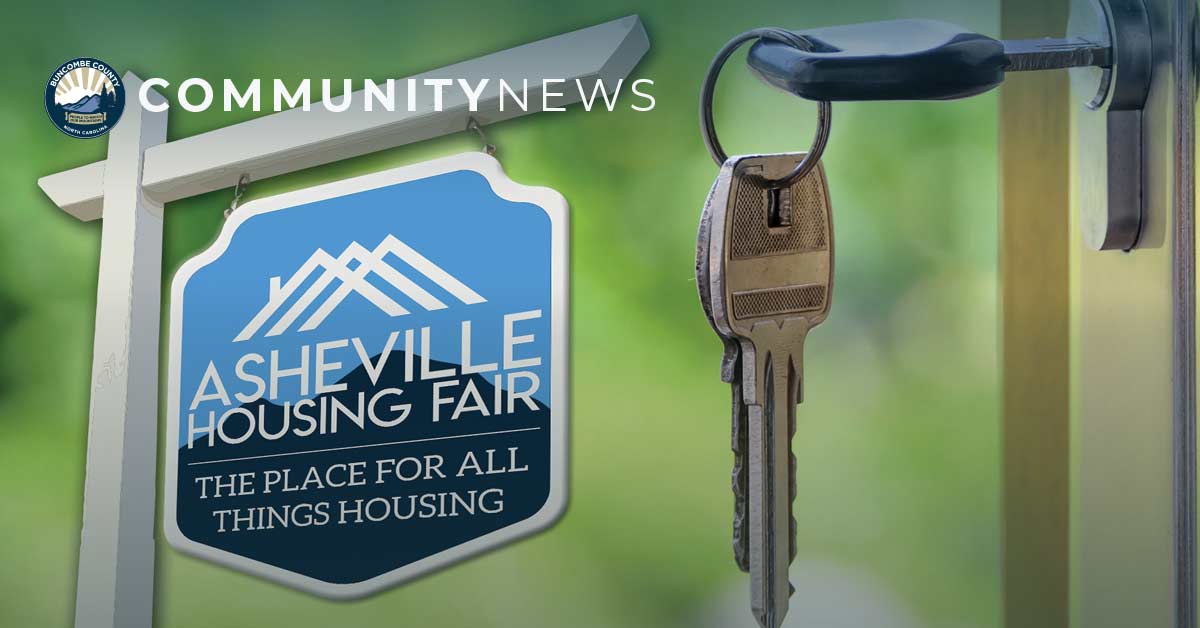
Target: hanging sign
column 368, row 378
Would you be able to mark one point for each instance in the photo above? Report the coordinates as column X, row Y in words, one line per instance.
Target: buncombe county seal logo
column 85, row 97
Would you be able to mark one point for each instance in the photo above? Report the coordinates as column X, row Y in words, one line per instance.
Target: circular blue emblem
column 85, row 97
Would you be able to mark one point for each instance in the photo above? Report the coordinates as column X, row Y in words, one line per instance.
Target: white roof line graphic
column 372, row 261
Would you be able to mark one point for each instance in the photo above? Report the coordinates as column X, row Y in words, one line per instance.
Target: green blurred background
column 898, row 441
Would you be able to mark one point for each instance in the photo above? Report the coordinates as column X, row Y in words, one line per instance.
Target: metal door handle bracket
column 1108, row 141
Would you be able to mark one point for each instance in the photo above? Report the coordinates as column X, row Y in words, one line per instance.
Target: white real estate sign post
column 116, row 550
column 142, row 172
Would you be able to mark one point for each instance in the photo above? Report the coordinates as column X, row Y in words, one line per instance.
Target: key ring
column 708, row 128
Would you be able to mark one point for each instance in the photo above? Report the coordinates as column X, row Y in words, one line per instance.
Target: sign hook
column 238, row 190
column 473, row 125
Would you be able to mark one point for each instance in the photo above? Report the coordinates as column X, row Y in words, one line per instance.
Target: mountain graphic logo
column 84, row 97
column 338, row 271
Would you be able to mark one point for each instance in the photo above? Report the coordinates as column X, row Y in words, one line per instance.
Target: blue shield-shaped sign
column 368, row 378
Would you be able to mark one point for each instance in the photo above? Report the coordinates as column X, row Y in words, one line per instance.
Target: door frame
column 1098, row 355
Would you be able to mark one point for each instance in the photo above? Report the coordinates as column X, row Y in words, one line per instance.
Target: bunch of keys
column 764, row 268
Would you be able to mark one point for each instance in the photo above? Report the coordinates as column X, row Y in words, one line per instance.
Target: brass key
column 769, row 279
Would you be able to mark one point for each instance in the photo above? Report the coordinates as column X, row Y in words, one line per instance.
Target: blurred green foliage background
column 898, row 441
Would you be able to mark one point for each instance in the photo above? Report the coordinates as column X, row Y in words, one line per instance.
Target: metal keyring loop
column 708, row 128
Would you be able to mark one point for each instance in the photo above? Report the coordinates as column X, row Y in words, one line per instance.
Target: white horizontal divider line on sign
column 368, row 446
column 295, row 139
